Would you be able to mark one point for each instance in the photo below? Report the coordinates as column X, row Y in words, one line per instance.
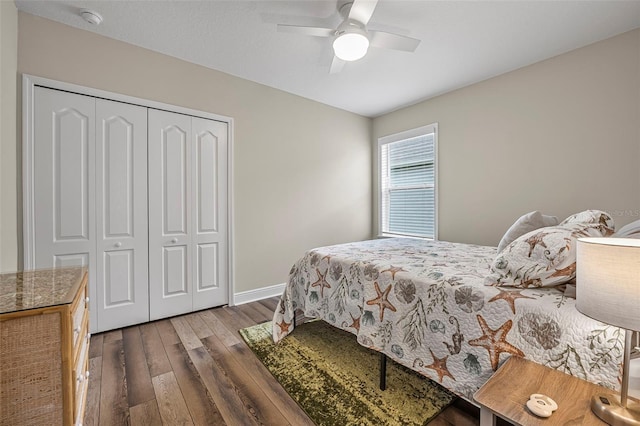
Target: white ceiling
column 463, row 42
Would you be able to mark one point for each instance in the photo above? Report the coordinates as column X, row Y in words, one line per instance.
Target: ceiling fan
column 351, row 40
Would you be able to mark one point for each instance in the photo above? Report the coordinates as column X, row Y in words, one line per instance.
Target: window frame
column 398, row 137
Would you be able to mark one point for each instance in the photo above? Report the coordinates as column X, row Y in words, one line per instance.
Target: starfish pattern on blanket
column 509, row 297
column 495, row 341
column 393, row 270
column 322, row 282
column 439, row 365
column 355, row 322
column 382, row 300
column 284, row 326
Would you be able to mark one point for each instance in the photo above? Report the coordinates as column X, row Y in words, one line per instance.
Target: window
column 407, row 170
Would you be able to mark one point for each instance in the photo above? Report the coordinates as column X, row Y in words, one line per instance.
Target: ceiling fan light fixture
column 351, row 45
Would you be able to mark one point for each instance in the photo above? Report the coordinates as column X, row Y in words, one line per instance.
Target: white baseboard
column 258, row 294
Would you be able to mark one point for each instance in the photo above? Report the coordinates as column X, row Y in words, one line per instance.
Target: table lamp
column 608, row 290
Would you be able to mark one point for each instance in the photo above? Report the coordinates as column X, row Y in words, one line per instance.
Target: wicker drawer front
column 78, row 366
column 31, row 370
column 80, row 338
column 82, row 383
column 79, row 312
column 81, row 375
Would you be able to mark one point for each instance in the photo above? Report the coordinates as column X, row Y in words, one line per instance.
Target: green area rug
column 335, row 380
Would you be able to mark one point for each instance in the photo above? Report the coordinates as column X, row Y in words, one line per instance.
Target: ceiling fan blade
column 393, row 41
column 361, row 10
column 312, row 31
column 336, row 65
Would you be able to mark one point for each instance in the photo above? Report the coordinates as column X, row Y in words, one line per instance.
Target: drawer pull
column 86, row 374
column 118, row 244
column 86, row 299
column 77, row 329
column 80, row 378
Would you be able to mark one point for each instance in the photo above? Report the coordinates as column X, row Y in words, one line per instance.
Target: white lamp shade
column 350, row 46
column 608, row 280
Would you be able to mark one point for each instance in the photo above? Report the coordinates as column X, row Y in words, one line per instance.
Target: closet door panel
column 207, row 194
column 118, row 276
column 208, row 267
column 121, row 214
column 175, row 272
column 174, row 148
column 64, row 182
column 117, row 176
column 170, row 286
column 71, row 175
column 209, row 212
column 62, row 260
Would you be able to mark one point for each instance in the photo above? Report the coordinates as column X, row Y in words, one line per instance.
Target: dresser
column 44, row 346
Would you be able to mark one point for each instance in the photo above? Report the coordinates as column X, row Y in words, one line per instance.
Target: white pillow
column 631, row 230
column 525, row 224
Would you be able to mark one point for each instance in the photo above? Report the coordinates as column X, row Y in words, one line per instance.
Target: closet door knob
column 118, row 244
column 174, row 240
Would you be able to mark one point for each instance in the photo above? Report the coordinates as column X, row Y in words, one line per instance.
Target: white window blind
column 408, row 183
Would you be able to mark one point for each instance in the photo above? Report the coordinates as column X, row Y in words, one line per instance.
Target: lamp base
column 609, row 409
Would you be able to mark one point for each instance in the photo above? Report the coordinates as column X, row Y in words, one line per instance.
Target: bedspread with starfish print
column 424, row 304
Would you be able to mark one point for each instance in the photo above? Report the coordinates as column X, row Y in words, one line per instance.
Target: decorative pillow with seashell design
column 546, row 257
column 590, row 216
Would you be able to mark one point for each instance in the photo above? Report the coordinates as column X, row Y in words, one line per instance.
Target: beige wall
column 8, row 140
column 559, row 136
column 302, row 169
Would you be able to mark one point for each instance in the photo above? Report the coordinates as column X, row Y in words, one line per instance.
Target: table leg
column 487, row 418
column 383, row 371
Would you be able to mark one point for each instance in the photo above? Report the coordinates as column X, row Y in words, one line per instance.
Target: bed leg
column 294, row 319
column 383, row 371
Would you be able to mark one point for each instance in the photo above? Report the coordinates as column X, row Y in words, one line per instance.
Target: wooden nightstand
column 508, row 390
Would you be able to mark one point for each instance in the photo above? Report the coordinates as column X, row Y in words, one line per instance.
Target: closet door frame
column 29, row 83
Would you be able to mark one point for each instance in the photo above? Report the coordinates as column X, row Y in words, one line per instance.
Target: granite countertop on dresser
column 39, row 288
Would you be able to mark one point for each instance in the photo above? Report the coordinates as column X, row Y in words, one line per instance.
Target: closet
column 138, row 194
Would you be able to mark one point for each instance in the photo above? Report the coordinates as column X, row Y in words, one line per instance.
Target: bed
column 426, row 305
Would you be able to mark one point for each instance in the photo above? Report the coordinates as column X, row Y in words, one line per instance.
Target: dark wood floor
column 196, row 370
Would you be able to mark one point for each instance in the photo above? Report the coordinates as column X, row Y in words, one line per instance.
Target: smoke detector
column 91, row 16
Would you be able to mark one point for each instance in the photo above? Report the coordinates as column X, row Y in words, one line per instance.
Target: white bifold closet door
column 90, row 186
column 64, row 182
column 187, row 213
column 121, row 214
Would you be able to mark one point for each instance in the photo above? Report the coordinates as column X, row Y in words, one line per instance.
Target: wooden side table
column 508, row 390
